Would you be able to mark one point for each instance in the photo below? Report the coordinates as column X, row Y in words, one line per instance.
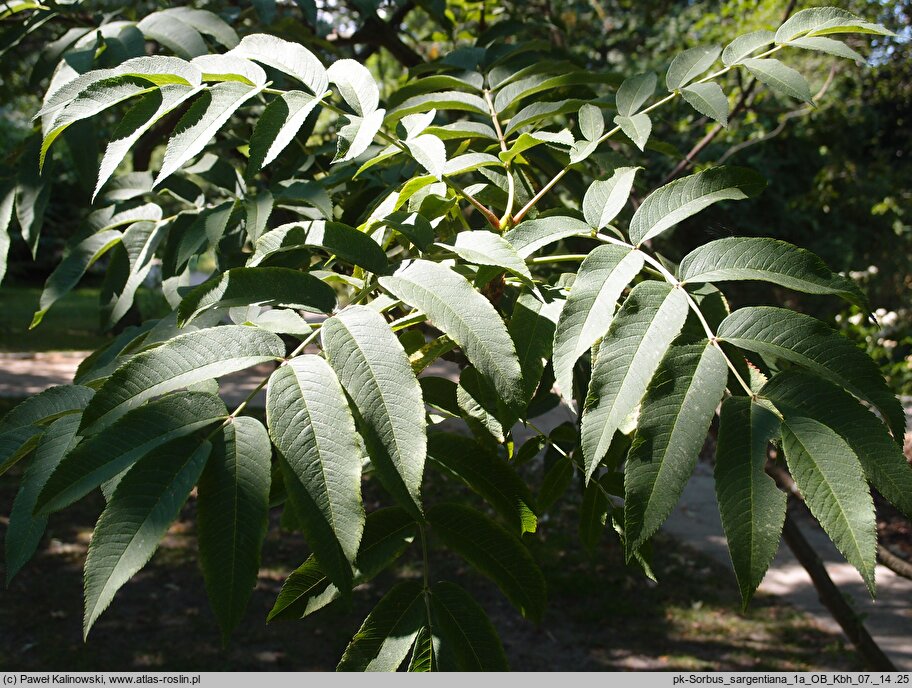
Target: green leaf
column 386, row 636
column 179, row 362
column 229, row 68
column 468, row 641
column 357, row 135
column 795, row 392
column 833, row 484
column 201, row 121
column 629, row 355
column 232, row 516
column 7, row 202
column 674, row 417
column 482, row 247
column 258, row 286
column 593, row 515
column 515, row 91
column 555, row 483
column 424, row 652
column 375, row 371
column 469, row 162
column 463, row 129
column 751, row 505
column 443, row 101
column 494, row 552
column 139, row 241
column 311, row 425
column 467, row 317
column 32, row 193
column 166, row 29
column 71, row 269
column 146, row 502
column 488, row 475
column 591, row 122
column 635, row 91
column 745, row 46
column 779, row 77
column 536, row 112
column 690, row 64
column 482, row 409
column 527, row 141
column 769, row 260
column 259, row 208
column 348, row 243
column 828, row 46
column 636, row 128
column 115, row 449
column 708, row 99
column 531, row 235
column 675, row 202
column 277, row 127
column 291, row 58
column 412, row 226
column 818, row 21
column 429, row 152
column 356, row 85
column 47, row 406
column 602, row 278
column 387, row 534
column 532, row 329
column 605, row 199
column 25, row 529
column 95, row 98
column 17, row 443
column 469, row 81
column 155, row 70
column 136, row 122
column 808, row 342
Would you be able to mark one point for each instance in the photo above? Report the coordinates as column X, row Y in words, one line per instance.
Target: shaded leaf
column 258, row 286
column 179, row 362
column 233, row 510
column 146, row 502
column 770, row 260
column 468, row 640
column 488, row 475
column 635, row 91
column 808, row 342
column 751, row 505
column 115, row 449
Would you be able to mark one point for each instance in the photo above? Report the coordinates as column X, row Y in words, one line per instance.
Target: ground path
column 695, row 521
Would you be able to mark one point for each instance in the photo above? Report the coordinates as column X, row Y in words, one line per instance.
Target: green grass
column 72, row 324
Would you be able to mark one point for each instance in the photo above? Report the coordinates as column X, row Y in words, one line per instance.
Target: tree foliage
column 353, row 265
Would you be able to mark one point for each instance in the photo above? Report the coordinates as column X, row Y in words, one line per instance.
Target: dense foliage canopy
column 489, row 209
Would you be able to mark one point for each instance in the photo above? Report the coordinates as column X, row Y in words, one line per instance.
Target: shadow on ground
column 601, row 615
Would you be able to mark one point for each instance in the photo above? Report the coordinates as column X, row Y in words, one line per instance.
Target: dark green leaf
column 139, row 514
column 494, row 552
column 105, row 455
column 233, row 510
column 806, row 341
